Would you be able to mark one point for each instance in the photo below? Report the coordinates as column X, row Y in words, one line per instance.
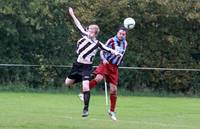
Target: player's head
column 121, row 33
column 93, row 30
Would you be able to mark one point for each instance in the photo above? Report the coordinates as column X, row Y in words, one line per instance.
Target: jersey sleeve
column 109, row 43
column 125, row 46
column 104, row 47
column 83, row 32
column 79, row 26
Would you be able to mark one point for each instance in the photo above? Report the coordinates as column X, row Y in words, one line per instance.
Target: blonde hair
column 96, row 27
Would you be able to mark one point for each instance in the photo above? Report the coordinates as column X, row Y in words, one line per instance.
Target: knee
column 113, row 89
column 85, row 86
column 68, row 82
column 99, row 78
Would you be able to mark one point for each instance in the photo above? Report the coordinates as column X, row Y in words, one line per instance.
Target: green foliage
column 39, row 32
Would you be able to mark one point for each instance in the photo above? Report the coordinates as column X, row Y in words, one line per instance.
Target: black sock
column 86, row 96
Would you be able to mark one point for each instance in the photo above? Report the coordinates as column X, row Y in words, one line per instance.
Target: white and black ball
column 129, row 23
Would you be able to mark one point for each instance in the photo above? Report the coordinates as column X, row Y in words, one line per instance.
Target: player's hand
column 71, row 12
column 105, row 61
column 116, row 53
column 119, row 54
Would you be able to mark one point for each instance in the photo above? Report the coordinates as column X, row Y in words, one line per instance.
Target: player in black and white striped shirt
column 87, row 48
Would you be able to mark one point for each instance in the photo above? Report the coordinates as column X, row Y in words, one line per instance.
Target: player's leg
column 113, row 97
column 86, row 89
column 74, row 75
column 72, row 79
column 86, row 97
column 112, row 79
column 113, row 100
column 95, row 81
column 100, row 71
column 92, row 84
column 69, row 81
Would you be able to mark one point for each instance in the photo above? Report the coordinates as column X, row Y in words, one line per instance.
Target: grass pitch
column 62, row 111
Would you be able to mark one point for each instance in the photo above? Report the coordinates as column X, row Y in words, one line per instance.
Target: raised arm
column 107, row 49
column 76, row 21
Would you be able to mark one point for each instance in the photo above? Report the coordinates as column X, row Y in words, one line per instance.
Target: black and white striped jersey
column 87, row 49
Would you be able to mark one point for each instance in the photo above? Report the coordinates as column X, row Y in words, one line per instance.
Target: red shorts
column 109, row 71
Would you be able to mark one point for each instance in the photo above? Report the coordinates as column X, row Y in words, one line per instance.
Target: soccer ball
column 129, row 23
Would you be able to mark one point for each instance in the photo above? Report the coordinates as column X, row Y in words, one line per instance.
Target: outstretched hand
column 105, row 61
column 119, row 54
column 71, row 12
column 116, row 53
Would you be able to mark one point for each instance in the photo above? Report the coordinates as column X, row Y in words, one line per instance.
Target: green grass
column 63, row 111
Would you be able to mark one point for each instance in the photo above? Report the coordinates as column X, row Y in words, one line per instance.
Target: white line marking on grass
column 134, row 122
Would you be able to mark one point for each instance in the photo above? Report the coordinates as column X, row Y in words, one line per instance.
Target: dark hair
column 122, row 28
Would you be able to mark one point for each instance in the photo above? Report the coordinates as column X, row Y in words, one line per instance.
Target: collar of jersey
column 116, row 39
column 91, row 40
